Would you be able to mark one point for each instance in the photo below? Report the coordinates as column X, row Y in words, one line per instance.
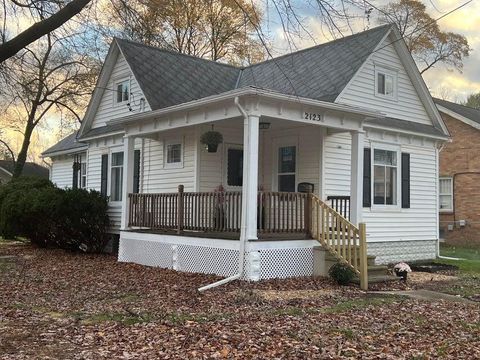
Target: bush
column 341, row 273
column 71, row 219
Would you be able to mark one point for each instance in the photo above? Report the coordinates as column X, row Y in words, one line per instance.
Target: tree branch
column 41, row 28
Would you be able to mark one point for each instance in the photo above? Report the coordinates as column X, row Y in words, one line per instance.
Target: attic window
column 123, row 91
column 385, row 83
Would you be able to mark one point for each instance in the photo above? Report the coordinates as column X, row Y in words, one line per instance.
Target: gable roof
column 321, row 72
column 29, row 169
column 67, row 144
column 463, row 111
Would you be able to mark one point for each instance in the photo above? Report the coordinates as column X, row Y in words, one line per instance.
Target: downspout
column 243, row 225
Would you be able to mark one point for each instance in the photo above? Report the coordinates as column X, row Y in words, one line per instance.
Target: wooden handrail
column 340, row 237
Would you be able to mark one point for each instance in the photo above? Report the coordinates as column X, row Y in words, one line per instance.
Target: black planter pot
column 212, row 148
column 402, row 274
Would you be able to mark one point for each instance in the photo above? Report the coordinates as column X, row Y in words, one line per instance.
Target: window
column 446, row 194
column 173, row 151
column 234, row 167
column 83, row 176
column 116, row 177
column 123, row 91
column 287, row 159
column 386, row 83
column 385, row 181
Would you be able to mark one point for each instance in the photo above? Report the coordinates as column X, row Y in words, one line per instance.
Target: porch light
column 263, row 125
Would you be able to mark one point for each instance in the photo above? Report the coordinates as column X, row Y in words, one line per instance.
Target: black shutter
column 136, row 171
column 75, row 176
column 405, row 180
column 104, row 176
column 367, row 181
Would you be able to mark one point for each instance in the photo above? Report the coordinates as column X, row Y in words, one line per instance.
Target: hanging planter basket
column 211, row 140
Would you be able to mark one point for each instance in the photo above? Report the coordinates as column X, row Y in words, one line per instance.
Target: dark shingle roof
column 67, row 143
column 102, row 130
column 29, row 169
column 169, row 78
column 465, row 111
column 321, row 72
column 405, row 125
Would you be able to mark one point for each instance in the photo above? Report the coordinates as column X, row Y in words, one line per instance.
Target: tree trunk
column 41, row 28
column 22, row 155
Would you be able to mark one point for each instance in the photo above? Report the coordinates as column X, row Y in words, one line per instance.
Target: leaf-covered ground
column 60, row 305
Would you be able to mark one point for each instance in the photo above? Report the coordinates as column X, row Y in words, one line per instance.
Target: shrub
column 26, row 209
column 71, row 219
column 84, row 220
column 341, row 273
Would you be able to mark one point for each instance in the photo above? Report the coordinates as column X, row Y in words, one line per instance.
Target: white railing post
column 128, row 156
column 356, row 177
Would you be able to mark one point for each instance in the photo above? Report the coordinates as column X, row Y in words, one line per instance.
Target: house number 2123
column 312, row 116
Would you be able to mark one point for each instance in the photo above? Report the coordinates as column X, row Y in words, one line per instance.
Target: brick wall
column 461, row 160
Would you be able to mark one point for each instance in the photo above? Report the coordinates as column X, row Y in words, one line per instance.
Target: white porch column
column 128, row 156
column 356, row 177
column 250, row 174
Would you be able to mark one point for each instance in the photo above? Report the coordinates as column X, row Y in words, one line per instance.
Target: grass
column 470, row 256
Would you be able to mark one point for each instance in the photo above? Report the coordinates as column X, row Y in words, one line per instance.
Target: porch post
column 128, row 155
column 356, row 177
column 250, row 174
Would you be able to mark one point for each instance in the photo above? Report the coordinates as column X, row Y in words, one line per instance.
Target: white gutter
column 64, row 152
column 243, row 225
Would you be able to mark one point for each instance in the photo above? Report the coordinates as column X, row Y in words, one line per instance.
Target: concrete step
column 374, row 270
column 378, row 279
column 370, row 258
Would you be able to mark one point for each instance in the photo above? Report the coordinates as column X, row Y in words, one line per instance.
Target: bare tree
column 41, row 81
column 426, row 42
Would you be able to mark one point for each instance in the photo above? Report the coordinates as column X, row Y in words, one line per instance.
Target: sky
column 441, row 81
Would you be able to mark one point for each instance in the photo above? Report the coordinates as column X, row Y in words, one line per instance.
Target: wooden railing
column 340, row 237
column 278, row 212
column 340, row 204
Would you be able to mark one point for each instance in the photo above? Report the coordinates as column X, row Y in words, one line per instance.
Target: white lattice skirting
column 263, row 259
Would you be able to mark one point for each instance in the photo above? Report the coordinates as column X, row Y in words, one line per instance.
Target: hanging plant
column 211, row 140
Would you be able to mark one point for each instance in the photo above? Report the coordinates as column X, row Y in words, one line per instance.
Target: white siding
column 306, row 138
column 416, row 223
column 61, row 172
column 160, row 178
column 361, row 90
column 107, row 109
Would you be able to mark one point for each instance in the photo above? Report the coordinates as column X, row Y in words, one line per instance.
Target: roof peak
column 174, row 52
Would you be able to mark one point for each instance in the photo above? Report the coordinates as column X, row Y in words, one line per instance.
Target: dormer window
column 123, row 91
column 385, row 83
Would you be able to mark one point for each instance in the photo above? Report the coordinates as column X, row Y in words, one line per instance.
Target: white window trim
column 225, row 170
column 284, row 142
column 379, row 69
column 177, row 165
column 116, row 82
column 112, row 150
column 398, row 150
column 444, row 210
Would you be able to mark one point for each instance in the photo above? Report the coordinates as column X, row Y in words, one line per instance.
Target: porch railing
column 278, row 212
column 340, row 237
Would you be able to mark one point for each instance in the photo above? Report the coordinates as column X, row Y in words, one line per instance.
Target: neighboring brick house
column 460, row 175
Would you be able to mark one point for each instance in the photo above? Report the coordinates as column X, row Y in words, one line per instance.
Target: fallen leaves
column 55, row 304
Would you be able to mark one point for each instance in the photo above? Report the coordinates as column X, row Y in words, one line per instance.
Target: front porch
column 263, row 188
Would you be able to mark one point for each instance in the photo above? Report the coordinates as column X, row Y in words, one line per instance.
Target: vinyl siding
column 61, row 173
column 108, row 109
column 416, row 223
column 361, row 90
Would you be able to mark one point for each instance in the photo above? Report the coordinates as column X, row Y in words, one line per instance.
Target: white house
column 350, row 120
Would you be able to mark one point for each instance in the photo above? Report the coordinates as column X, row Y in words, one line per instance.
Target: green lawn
column 471, row 256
